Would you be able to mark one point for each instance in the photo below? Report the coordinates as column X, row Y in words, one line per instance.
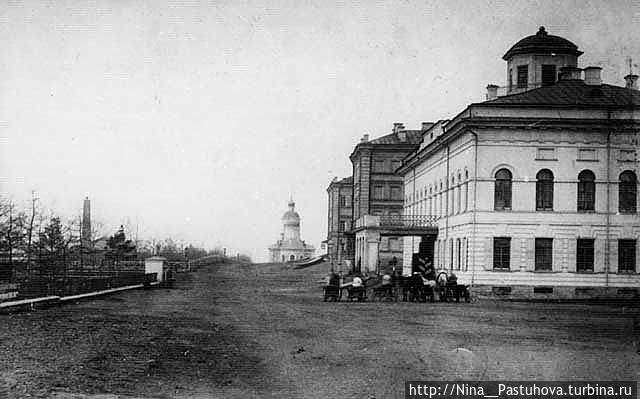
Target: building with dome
column 290, row 246
column 531, row 193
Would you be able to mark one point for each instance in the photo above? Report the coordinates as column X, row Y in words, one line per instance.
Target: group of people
column 424, row 276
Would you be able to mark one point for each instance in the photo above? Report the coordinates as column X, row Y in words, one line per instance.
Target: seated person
column 334, row 280
column 357, row 283
column 452, row 281
column 429, row 276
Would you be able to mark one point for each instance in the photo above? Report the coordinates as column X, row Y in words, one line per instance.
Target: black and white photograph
column 319, row 199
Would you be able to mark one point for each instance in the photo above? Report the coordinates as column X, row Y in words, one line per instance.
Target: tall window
column 544, row 190
column 548, row 75
column 378, row 166
column 586, row 191
column 584, row 257
column 378, row 192
column 459, row 189
column 466, row 190
column 458, row 254
column 396, row 192
column 501, row 252
column 544, row 253
column 626, row 255
column 502, row 192
column 523, row 76
column 627, row 192
column 343, row 200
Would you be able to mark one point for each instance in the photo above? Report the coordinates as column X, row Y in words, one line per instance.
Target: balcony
column 409, row 221
column 399, row 224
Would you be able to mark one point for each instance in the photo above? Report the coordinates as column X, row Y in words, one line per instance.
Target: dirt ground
column 262, row 331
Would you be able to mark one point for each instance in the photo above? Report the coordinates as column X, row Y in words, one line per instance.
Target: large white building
column 290, row 246
column 532, row 193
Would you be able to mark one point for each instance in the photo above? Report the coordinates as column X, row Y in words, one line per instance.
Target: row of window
column 627, row 191
column 458, row 253
column 384, row 166
column 584, row 254
column 549, row 76
column 383, row 192
column 432, row 200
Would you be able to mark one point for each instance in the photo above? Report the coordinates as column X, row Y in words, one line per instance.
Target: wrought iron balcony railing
column 408, row 221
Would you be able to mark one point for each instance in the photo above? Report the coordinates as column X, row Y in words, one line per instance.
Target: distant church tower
column 86, row 224
column 290, row 246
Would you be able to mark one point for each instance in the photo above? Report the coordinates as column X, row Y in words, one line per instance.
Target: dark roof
column 571, row 93
column 542, row 42
column 413, row 137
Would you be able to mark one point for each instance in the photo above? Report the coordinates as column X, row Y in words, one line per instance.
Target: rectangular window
column 510, row 85
column 394, row 244
column 587, row 154
column 544, row 254
column 547, row 154
column 501, row 252
column 627, row 155
column 627, row 256
column 343, row 226
column 523, row 76
column 384, row 243
column 378, row 166
column 343, row 201
column 584, row 256
column 548, row 75
column 378, row 192
column 396, row 192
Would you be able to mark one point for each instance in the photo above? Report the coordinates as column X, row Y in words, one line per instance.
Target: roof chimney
column 592, row 76
column 398, row 126
column 632, row 81
column 365, row 138
column 492, row 92
column 570, row 73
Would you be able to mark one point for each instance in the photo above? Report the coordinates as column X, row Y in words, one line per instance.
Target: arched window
column 452, row 194
column 292, row 257
column 502, row 192
column 627, row 192
column 544, row 190
column 586, row 191
column 466, row 190
column 459, row 196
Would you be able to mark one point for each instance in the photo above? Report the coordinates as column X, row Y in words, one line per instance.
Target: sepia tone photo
column 319, row 199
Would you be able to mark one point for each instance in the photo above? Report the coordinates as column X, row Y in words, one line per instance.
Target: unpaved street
column 237, row 331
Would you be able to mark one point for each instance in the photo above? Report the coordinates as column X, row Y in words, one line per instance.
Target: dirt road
column 238, row 331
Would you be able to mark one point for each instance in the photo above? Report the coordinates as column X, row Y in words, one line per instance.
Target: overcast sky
column 198, row 120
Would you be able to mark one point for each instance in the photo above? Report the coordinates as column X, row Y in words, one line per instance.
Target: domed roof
column 291, row 214
column 542, row 42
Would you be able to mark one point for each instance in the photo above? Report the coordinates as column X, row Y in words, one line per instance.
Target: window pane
column 501, row 252
column 627, row 192
column 548, row 75
column 523, row 76
column 585, row 255
column 544, row 254
column 627, row 255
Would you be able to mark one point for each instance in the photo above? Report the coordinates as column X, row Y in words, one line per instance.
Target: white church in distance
column 290, row 246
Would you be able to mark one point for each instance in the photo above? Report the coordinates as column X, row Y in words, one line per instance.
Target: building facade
column 290, row 246
column 339, row 217
column 534, row 193
column 378, row 191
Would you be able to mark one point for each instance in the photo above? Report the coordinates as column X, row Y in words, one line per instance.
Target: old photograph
column 319, row 199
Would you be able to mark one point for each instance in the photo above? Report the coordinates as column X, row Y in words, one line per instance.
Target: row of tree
column 36, row 237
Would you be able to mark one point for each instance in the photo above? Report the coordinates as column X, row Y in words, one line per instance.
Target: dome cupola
column 536, row 60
